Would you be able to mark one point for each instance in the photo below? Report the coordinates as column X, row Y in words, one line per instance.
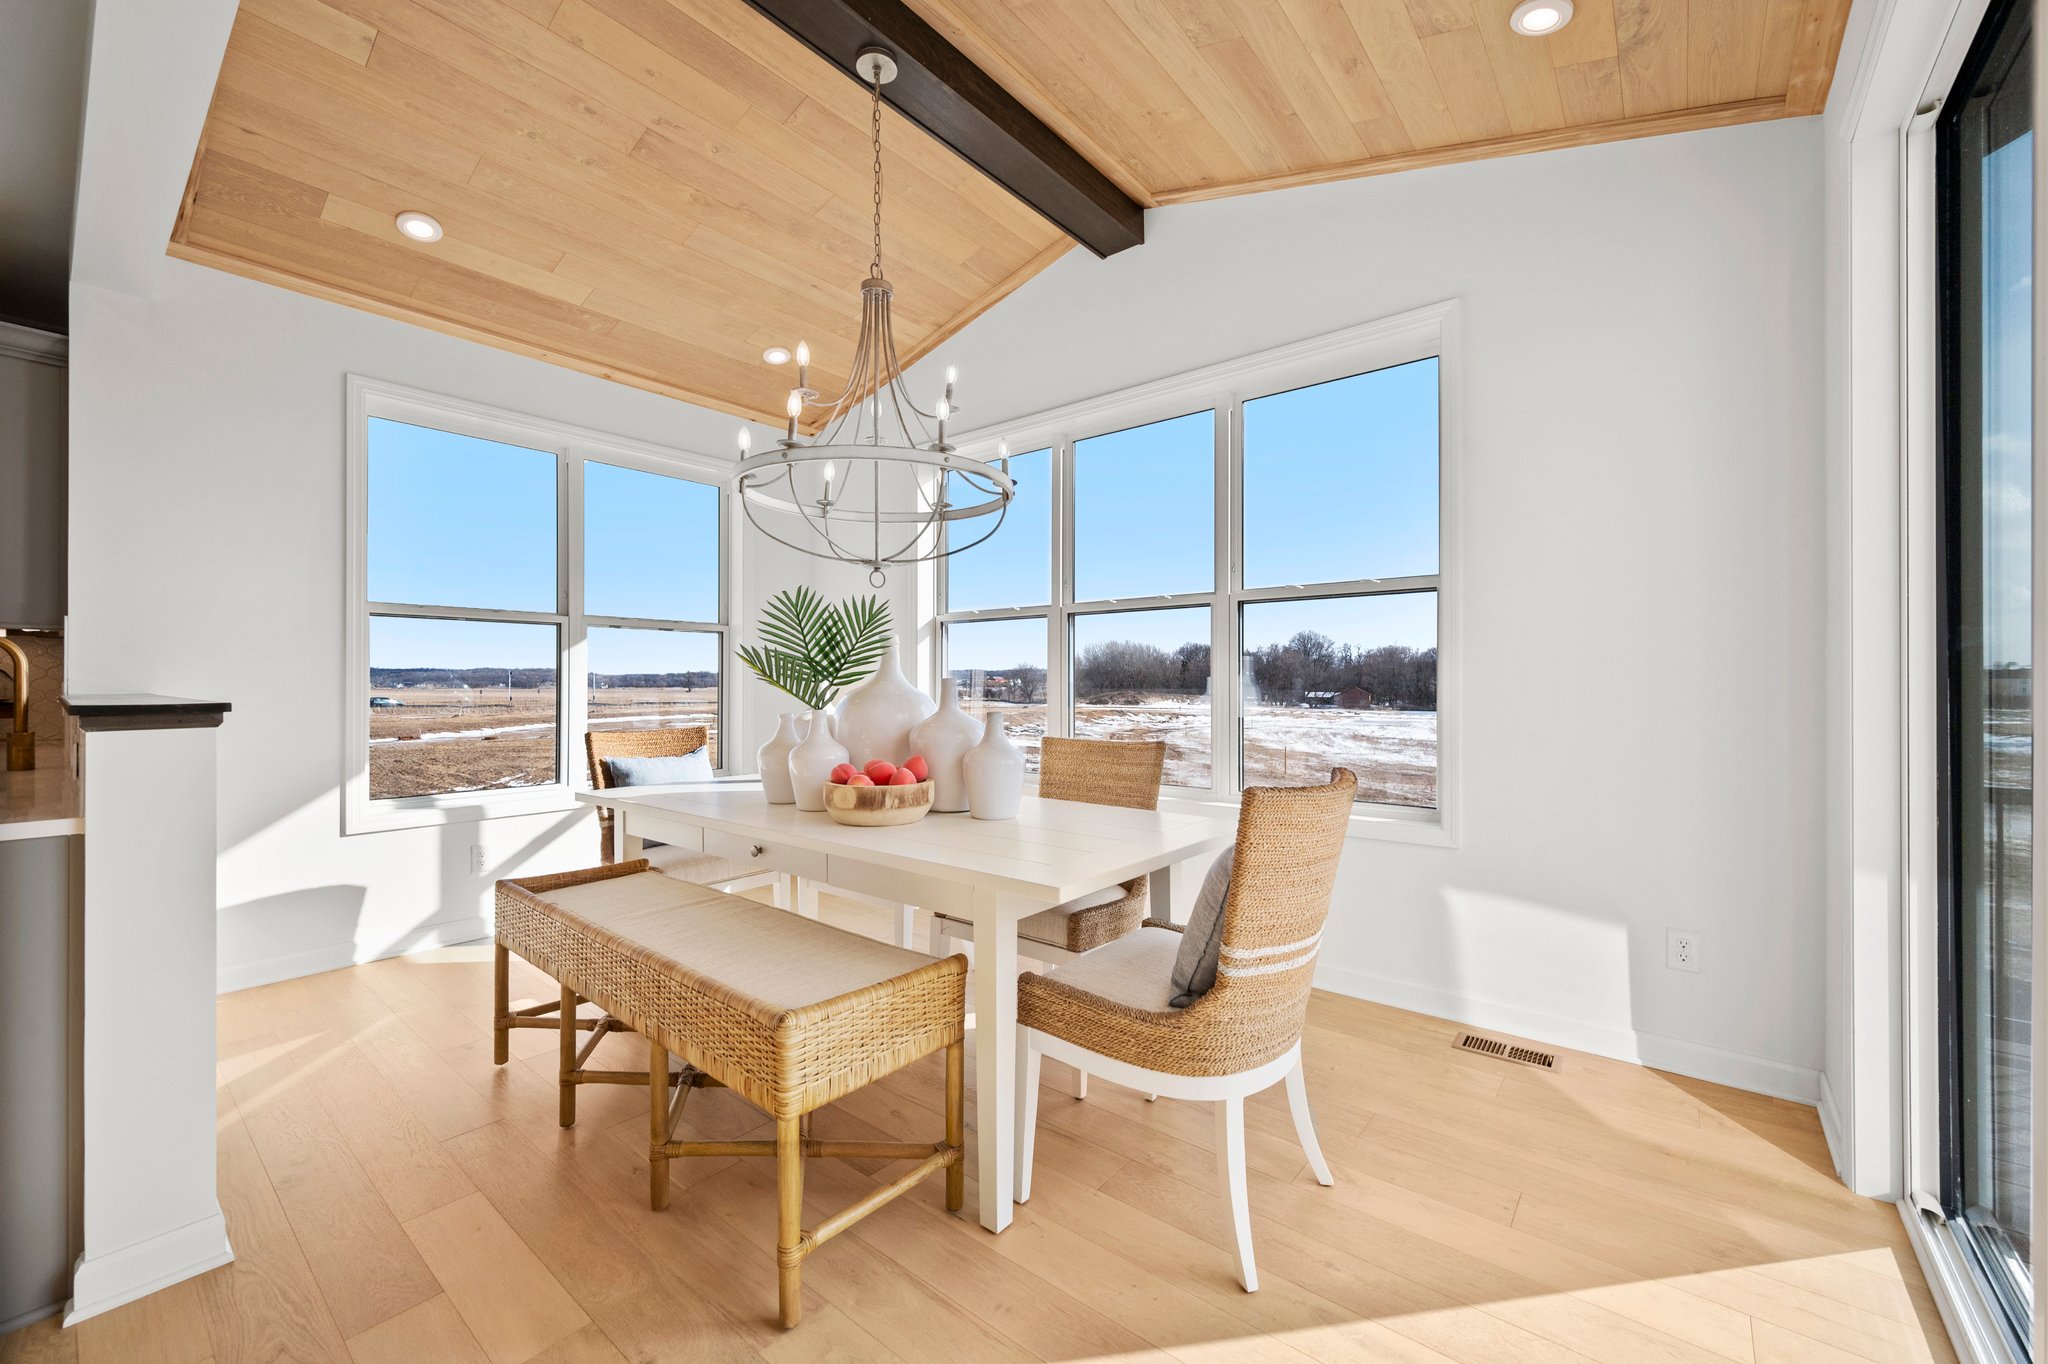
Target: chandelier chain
column 875, row 136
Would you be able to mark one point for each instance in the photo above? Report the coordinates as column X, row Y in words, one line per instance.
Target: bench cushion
column 789, row 1012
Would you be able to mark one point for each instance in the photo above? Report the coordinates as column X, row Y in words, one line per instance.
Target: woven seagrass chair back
column 1102, row 771
column 1289, row 841
column 599, row 744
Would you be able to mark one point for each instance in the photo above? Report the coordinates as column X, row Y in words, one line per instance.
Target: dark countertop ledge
column 142, row 710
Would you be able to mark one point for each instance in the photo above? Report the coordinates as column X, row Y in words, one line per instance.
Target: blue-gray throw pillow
column 1201, row 942
column 659, row 771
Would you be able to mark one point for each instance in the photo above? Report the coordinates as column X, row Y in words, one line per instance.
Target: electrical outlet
column 1682, row 950
column 476, row 859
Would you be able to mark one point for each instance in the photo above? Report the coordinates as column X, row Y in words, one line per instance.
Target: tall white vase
column 995, row 774
column 773, row 760
column 943, row 739
column 875, row 717
column 811, row 763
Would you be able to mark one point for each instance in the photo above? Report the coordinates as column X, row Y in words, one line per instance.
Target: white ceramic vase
column 811, row 763
column 876, row 716
column 995, row 774
column 773, row 760
column 943, row 740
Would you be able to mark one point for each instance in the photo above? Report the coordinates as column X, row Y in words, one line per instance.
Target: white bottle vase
column 811, row 763
column 943, row 740
column 875, row 717
column 995, row 774
column 773, row 758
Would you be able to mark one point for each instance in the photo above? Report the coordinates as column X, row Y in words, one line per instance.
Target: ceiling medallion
column 877, row 484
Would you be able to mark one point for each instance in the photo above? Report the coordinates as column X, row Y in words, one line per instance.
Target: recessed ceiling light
column 419, row 226
column 1536, row 18
column 776, row 355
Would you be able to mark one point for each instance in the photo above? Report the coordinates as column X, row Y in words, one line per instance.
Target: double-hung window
column 516, row 583
column 1284, row 515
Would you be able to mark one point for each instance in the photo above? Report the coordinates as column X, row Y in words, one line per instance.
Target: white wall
column 1643, row 611
column 206, row 560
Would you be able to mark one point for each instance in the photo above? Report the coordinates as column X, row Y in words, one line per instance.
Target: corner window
column 1284, row 514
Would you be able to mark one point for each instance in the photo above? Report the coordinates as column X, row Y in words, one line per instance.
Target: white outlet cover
column 1682, row 950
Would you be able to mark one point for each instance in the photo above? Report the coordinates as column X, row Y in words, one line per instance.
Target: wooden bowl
column 878, row 806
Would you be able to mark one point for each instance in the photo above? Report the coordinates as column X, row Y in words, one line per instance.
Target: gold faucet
column 21, row 741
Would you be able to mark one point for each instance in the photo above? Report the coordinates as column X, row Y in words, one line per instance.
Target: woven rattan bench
column 788, row 1013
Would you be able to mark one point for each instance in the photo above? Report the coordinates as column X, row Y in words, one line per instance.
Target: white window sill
column 1370, row 823
column 467, row 807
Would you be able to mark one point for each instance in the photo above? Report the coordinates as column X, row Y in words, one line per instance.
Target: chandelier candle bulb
column 803, row 364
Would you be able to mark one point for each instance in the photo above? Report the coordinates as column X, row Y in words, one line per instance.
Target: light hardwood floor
column 394, row 1198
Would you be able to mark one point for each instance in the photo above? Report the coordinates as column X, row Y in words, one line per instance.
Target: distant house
column 1320, row 700
column 1354, row 698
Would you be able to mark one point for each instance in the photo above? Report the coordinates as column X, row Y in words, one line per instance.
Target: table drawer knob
column 758, row 850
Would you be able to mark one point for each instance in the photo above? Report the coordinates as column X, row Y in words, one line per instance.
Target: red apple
column 917, row 768
column 860, row 779
column 843, row 774
column 880, row 770
column 904, row 777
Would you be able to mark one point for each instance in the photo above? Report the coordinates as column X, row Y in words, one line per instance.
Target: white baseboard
column 15, row 1323
column 1831, row 1128
column 1739, row 1070
column 292, row 965
column 103, row 1282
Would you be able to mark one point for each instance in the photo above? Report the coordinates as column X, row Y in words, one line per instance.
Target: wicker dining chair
column 675, row 741
column 1096, row 772
column 1110, row 1012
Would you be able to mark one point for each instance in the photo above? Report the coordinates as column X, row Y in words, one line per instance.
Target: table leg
column 995, row 1058
column 1159, row 897
column 807, row 897
column 629, row 844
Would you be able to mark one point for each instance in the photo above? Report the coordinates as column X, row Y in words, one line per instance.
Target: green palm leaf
column 810, row 651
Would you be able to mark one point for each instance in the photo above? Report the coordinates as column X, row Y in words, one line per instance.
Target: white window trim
column 1431, row 331
column 572, row 446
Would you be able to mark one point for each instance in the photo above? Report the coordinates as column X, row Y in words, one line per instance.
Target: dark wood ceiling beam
column 940, row 90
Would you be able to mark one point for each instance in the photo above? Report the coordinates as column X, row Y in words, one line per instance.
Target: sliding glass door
column 1984, row 164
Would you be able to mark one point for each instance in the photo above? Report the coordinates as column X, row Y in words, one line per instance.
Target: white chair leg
column 906, row 925
column 1080, row 1084
column 785, row 890
column 1027, row 1111
column 1230, row 1160
column 1304, row 1125
column 807, row 897
column 1151, row 1098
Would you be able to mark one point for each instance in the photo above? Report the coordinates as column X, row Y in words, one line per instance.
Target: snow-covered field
column 1392, row 751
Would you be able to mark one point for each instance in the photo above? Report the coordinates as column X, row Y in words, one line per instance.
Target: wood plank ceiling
column 1178, row 100
column 650, row 190
column 655, row 190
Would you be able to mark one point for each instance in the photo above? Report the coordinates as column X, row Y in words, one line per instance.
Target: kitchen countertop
column 42, row 803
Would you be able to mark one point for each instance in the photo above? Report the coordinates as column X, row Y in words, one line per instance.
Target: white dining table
column 990, row 873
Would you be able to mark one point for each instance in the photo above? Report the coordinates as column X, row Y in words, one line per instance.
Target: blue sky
column 1340, row 480
column 2008, row 402
column 460, row 522
column 1145, row 510
column 1013, row 567
column 1340, row 483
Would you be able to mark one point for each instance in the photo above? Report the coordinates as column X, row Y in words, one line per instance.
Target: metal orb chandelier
column 876, row 485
